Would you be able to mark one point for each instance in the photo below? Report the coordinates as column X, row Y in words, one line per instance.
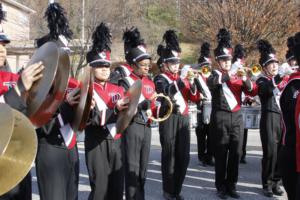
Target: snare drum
column 251, row 116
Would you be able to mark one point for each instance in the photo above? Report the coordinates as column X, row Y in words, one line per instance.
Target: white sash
column 178, row 96
column 229, row 96
column 205, row 88
column 131, row 82
column 65, row 130
column 126, row 70
column 2, row 99
column 112, row 129
column 277, row 93
column 102, row 107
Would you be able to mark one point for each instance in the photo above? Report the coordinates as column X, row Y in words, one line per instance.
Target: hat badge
column 142, row 48
column 226, row 51
column 102, row 55
column 175, row 53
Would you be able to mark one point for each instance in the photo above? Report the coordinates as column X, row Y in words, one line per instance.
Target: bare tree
column 248, row 20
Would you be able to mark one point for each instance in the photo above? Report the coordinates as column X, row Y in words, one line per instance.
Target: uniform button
column 59, row 136
column 62, row 144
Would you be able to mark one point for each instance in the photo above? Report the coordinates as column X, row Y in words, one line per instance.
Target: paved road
column 199, row 182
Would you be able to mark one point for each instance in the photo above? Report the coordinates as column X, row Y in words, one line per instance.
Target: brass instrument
column 255, row 70
column 205, row 71
column 169, row 112
column 18, row 147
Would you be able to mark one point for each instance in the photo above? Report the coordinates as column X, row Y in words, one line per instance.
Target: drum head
column 48, row 54
column 56, row 94
column 17, row 159
column 125, row 117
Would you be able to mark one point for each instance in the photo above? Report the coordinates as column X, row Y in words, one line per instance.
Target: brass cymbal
column 49, row 55
column 7, row 125
column 17, row 159
column 56, row 94
column 125, row 117
column 86, row 94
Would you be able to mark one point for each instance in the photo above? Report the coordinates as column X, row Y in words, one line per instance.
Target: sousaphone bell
column 18, row 147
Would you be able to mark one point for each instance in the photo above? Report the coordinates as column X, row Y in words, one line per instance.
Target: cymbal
column 49, row 55
column 56, row 94
column 86, row 94
column 17, row 159
column 125, row 117
column 7, row 125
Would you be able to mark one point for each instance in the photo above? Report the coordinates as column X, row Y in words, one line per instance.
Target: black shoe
column 168, row 196
column 222, row 194
column 268, row 192
column 233, row 193
column 179, row 197
column 277, row 190
column 211, row 162
column 243, row 161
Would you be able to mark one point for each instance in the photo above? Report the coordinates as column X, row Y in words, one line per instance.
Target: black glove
column 144, row 105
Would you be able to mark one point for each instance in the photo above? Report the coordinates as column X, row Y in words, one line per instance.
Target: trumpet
column 255, row 70
column 205, row 71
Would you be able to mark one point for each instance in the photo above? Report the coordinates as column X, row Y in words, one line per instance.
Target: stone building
column 17, row 28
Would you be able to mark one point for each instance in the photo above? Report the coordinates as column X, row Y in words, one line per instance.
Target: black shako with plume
column 58, row 26
column 224, row 48
column 290, row 52
column 134, row 46
column 297, row 47
column 3, row 38
column 239, row 53
column 171, row 51
column 267, row 53
column 205, row 58
column 99, row 55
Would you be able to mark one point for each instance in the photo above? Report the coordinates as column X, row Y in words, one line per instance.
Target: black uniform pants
column 137, row 142
column 290, row 177
column 105, row 167
column 203, row 140
column 57, row 171
column 21, row 192
column 227, row 134
column 270, row 135
column 175, row 155
column 244, row 149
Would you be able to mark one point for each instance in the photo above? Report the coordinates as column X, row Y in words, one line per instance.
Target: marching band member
column 203, row 134
column 269, row 86
column 289, row 154
column 174, row 132
column 121, row 71
column 12, row 86
column 57, row 160
column 226, row 118
column 137, row 136
column 238, row 61
column 103, row 146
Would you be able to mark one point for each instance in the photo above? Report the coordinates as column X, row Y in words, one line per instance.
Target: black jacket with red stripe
column 105, row 111
column 269, row 89
column 50, row 132
column 166, row 83
column 146, row 102
column 8, row 94
column 218, row 82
